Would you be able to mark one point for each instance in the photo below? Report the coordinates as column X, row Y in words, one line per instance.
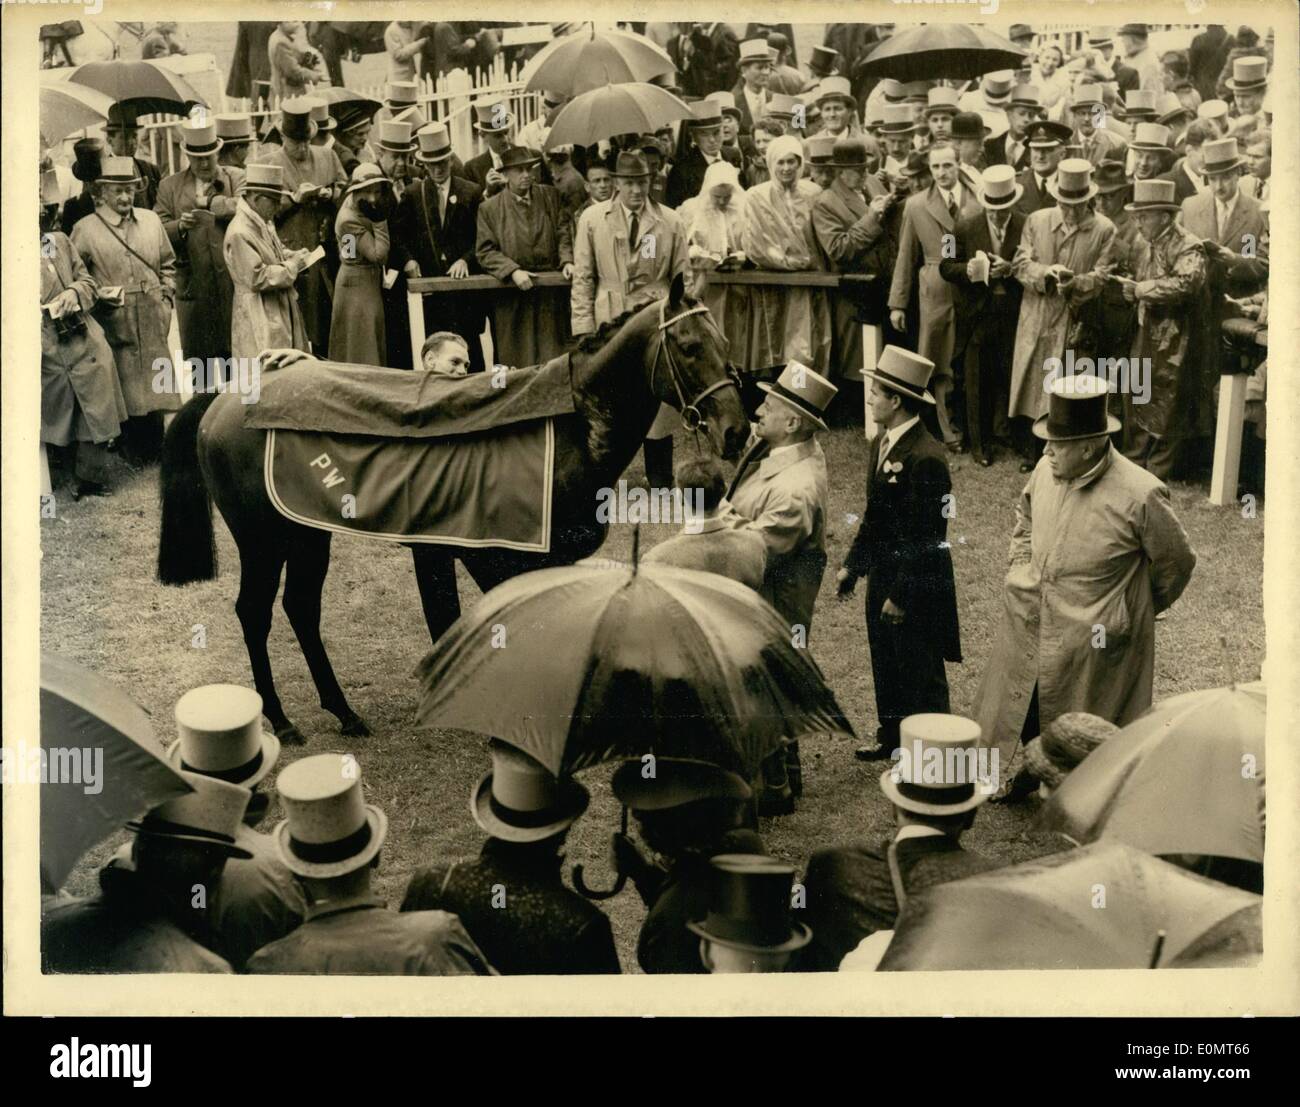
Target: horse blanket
column 414, row 457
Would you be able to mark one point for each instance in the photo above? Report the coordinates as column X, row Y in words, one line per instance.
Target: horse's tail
column 187, row 544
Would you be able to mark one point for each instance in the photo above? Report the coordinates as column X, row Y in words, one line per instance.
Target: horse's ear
column 677, row 291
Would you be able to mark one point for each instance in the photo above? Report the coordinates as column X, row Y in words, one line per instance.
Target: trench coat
column 81, row 397
column 527, row 327
column 204, row 293
column 265, row 314
column 926, row 222
column 357, row 331
column 784, row 498
column 137, row 331
column 1044, row 328
column 1173, row 313
column 1104, row 550
column 611, row 275
column 306, row 226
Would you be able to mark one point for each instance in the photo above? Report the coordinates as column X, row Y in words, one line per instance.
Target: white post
column 872, row 343
column 47, row 486
column 415, row 320
column 1227, row 439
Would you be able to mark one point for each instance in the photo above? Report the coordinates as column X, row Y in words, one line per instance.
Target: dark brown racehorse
column 669, row 351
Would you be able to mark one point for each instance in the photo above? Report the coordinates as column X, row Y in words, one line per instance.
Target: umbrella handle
column 589, row 893
column 619, row 884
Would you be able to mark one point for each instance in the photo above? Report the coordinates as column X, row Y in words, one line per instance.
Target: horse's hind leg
column 435, row 573
column 259, row 580
column 309, row 561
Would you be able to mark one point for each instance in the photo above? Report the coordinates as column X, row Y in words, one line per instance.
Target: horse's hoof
column 290, row 735
column 354, row 726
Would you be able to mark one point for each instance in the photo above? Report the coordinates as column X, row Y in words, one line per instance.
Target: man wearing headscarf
column 789, row 324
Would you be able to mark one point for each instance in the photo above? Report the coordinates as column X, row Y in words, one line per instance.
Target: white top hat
column 520, row 800
column 330, row 830
column 220, row 735
column 210, row 815
column 936, row 745
column 754, row 50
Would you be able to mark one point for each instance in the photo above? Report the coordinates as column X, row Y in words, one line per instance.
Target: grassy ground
column 102, row 607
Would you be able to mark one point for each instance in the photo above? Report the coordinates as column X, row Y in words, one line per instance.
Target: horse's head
column 691, row 372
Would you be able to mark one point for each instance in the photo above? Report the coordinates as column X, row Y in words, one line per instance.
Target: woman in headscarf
column 788, row 324
column 715, row 225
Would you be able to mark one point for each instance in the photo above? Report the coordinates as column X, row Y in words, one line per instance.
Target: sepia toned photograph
column 609, row 498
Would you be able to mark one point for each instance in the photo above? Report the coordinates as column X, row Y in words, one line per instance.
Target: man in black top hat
column 511, row 897
column 686, row 177
column 1096, row 550
column 901, row 548
column 749, row 927
column 87, row 154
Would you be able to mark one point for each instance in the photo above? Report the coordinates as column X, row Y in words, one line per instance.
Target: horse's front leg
column 435, row 574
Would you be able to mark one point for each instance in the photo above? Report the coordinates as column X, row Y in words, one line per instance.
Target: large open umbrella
column 940, row 50
column 593, row 59
column 1187, row 777
column 1105, row 906
column 140, row 86
column 101, row 746
column 67, row 107
column 615, row 110
column 579, row 664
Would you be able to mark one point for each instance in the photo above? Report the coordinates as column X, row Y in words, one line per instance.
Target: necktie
column 884, row 453
column 1042, row 186
column 634, row 234
column 442, row 203
column 952, row 205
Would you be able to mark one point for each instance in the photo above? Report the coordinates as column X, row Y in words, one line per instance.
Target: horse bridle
column 692, row 418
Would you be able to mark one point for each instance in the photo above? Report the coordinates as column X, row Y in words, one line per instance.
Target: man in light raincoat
column 1097, row 552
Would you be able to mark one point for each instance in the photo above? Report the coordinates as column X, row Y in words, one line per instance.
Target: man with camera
column 195, row 206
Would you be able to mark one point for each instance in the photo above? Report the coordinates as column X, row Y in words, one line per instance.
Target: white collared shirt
column 892, row 436
column 757, row 103
column 951, row 196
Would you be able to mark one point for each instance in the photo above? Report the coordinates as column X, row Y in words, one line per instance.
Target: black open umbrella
column 963, row 50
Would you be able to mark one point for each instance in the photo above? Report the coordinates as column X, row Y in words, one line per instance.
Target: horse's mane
column 591, row 343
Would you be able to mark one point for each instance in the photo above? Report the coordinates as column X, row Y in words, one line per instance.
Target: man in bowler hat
column 901, row 548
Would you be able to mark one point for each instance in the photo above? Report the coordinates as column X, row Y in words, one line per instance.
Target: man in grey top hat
column 511, row 898
column 155, row 915
column 331, row 841
column 196, row 206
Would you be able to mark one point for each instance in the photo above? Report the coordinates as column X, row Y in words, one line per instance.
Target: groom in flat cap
column 901, row 548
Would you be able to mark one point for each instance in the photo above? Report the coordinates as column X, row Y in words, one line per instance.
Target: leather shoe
column 984, row 460
column 873, row 753
column 1026, row 466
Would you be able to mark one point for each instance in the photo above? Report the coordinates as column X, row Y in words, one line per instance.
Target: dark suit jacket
column 995, row 153
column 902, row 540
column 1033, row 199
column 686, row 177
column 747, row 119
column 543, row 928
column 476, row 170
column 418, row 233
column 986, row 314
column 1183, row 186
column 851, row 893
